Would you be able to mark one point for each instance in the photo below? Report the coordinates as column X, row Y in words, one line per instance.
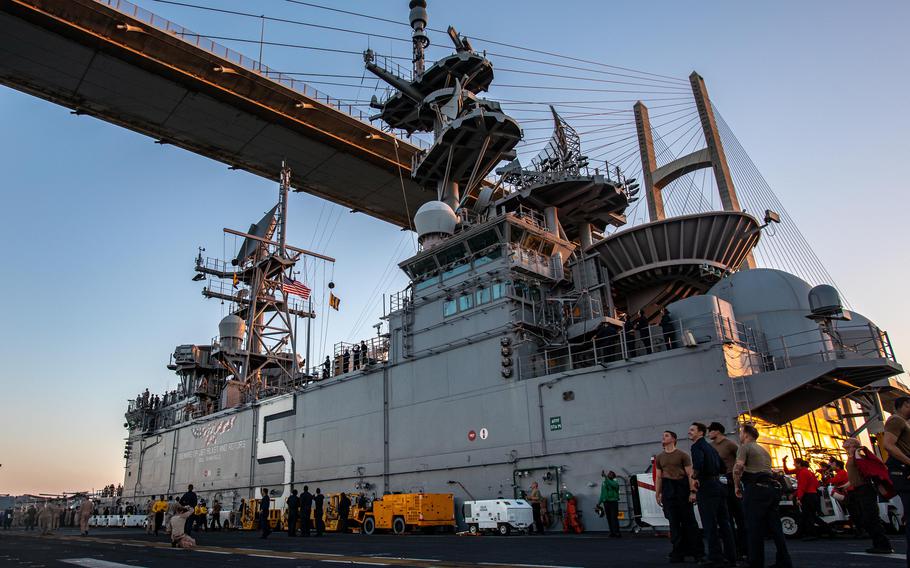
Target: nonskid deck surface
column 110, row 548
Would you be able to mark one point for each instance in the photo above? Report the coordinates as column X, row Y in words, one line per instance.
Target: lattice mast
column 258, row 343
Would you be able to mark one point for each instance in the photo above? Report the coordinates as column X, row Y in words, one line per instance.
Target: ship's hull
column 418, row 427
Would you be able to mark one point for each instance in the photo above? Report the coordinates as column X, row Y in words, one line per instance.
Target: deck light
column 129, row 28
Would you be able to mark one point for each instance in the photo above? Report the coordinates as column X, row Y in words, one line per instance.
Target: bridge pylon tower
column 711, row 156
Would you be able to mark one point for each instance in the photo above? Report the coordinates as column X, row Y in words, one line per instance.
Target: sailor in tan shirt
column 675, row 488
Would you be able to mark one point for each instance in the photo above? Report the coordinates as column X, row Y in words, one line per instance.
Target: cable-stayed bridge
column 116, row 61
column 122, row 64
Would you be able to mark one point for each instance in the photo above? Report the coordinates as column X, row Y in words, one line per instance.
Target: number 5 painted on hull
column 271, row 451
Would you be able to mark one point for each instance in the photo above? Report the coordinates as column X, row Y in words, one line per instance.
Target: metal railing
column 248, row 63
column 399, row 300
column 241, row 294
column 530, row 260
column 760, row 354
column 532, row 216
column 351, row 357
column 857, row 341
column 619, row 344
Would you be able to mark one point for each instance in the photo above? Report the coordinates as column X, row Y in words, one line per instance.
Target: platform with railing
column 761, row 354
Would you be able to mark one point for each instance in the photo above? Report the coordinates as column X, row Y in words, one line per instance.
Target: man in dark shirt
column 293, row 504
column 317, row 512
column 344, row 508
column 306, row 508
column 641, row 327
column 726, row 449
column 190, row 500
column 712, row 507
column 264, row 514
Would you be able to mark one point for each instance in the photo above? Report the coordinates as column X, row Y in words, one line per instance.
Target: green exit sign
column 556, row 423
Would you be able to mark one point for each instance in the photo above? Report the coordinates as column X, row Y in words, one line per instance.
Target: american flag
column 296, row 288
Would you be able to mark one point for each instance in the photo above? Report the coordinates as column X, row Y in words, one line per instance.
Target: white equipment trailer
column 500, row 515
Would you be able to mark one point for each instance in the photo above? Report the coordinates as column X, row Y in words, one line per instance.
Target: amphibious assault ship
column 538, row 338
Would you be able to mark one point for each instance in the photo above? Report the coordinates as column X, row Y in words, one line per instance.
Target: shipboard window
column 449, row 308
column 483, row 240
column 465, row 302
column 451, row 254
column 425, row 284
column 483, row 296
column 460, row 269
column 499, row 290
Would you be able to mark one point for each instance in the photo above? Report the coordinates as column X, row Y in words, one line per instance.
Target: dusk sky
column 101, row 225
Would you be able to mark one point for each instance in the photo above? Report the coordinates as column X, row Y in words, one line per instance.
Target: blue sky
column 101, row 225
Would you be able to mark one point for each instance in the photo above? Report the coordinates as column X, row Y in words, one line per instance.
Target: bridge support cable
column 805, row 262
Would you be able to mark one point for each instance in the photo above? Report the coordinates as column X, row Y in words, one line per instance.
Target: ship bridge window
column 483, row 240
column 423, row 285
column 452, row 272
column 498, row 290
column 449, row 308
column 533, row 242
column 489, row 257
column 451, row 254
column 421, row 268
column 465, row 302
column 520, row 289
column 483, row 296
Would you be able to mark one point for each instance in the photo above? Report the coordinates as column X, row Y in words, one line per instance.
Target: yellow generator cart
column 404, row 512
column 249, row 519
column 330, row 515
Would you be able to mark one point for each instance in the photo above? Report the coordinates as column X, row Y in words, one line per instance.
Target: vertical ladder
column 742, row 396
column 407, row 326
column 742, row 399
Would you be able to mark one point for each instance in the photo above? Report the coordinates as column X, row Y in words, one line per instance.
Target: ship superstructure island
column 538, row 338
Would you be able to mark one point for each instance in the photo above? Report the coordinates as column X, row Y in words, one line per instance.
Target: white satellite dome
column 434, row 221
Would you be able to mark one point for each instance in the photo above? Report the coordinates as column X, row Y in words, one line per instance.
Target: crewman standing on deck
column 264, row 504
column 675, row 492
column 85, row 513
column 293, row 507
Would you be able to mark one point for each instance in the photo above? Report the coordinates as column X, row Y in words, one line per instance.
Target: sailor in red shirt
column 807, row 495
column 839, row 478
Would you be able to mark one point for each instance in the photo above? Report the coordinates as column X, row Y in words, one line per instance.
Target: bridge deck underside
column 166, row 88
